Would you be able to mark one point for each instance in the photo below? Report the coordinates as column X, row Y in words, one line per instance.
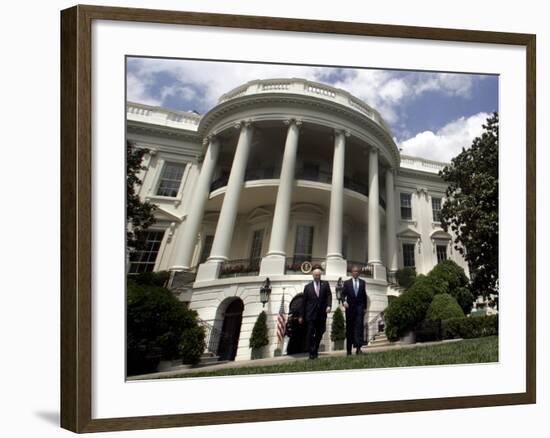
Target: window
column 406, row 206
column 170, row 179
column 256, row 246
column 311, row 171
column 143, row 260
column 206, row 248
column 436, row 209
column 408, row 255
column 303, row 245
column 441, row 253
column 345, row 247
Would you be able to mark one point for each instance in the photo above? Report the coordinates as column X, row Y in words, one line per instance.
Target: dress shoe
column 348, row 353
column 358, row 351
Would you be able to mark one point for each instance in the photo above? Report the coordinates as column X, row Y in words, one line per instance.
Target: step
column 209, row 360
column 210, row 363
column 377, row 343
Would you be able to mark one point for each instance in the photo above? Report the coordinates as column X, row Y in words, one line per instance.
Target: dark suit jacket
column 348, row 294
column 314, row 307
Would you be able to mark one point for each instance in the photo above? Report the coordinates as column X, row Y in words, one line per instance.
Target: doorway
column 231, row 330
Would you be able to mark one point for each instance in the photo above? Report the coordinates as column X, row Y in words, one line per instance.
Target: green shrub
column 405, row 277
column 468, row 328
column 155, row 322
column 192, row 344
column 465, row 299
column 444, row 306
column 338, row 329
column 406, row 311
column 159, row 279
column 435, row 284
column 428, row 331
column 448, row 272
column 259, row 337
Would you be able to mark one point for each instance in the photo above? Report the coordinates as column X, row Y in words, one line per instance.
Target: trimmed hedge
column 456, row 281
column 192, row 345
column 338, row 329
column 156, row 321
column 428, row 331
column 407, row 310
column 405, row 277
column 443, row 307
column 467, row 328
column 259, row 338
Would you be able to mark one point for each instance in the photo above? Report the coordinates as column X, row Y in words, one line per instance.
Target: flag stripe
column 281, row 321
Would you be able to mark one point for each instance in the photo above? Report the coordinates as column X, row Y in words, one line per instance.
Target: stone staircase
column 206, row 359
column 209, row 358
column 380, row 340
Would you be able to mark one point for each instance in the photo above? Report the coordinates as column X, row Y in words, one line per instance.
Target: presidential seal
column 306, row 267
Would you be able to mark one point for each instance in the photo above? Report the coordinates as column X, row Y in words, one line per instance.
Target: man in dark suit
column 354, row 297
column 316, row 305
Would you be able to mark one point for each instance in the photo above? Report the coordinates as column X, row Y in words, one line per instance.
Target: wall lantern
column 265, row 291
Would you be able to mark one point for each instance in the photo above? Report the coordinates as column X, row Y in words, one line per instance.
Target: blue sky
column 432, row 115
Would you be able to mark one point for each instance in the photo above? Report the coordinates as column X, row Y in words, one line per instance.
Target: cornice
column 220, row 116
column 166, row 131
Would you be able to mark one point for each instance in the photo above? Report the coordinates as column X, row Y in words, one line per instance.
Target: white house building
column 278, row 173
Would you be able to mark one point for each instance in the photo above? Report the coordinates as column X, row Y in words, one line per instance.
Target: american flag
column 281, row 320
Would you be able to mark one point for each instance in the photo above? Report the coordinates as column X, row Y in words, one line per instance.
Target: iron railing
column 365, row 269
column 240, row 268
column 212, row 336
column 293, row 265
column 320, row 176
column 372, row 326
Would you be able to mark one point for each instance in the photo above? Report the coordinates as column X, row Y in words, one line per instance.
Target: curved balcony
column 319, row 176
column 240, row 268
column 293, row 266
column 307, row 88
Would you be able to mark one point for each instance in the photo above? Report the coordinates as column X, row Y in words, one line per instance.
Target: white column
column 228, row 214
column 374, row 217
column 391, row 221
column 336, row 265
column 187, row 237
column 274, row 262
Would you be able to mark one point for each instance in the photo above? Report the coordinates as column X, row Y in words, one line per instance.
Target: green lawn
column 479, row 350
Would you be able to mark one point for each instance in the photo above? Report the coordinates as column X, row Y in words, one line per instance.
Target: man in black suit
column 354, row 297
column 316, row 305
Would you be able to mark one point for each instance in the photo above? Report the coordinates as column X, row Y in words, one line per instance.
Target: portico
column 340, row 152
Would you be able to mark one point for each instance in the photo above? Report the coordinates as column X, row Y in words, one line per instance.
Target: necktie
column 317, row 288
column 355, row 287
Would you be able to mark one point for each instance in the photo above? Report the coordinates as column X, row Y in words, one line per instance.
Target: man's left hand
column 328, row 309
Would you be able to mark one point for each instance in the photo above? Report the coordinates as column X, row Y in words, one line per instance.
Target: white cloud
column 447, row 83
column 446, row 142
column 384, row 90
column 137, row 89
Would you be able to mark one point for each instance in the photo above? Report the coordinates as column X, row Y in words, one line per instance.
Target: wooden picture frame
column 76, row 217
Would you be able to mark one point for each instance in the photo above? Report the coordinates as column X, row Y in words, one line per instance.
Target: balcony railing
column 262, row 173
column 293, row 265
column 240, row 268
column 365, row 269
column 321, row 176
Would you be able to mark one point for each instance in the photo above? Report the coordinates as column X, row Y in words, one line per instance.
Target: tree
column 471, row 209
column 139, row 214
